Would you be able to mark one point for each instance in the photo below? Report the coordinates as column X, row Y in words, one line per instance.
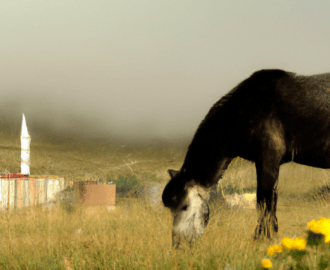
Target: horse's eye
column 184, row 208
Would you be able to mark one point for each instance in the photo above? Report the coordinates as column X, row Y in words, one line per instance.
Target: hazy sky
column 146, row 69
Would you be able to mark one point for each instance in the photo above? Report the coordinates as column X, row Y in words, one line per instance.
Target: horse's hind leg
column 267, row 177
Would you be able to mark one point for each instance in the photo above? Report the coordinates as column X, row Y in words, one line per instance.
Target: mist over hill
column 145, row 71
column 46, row 119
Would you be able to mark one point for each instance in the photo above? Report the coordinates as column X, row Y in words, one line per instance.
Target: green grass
column 133, row 236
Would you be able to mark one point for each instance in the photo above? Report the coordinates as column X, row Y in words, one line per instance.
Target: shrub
column 229, row 190
column 125, row 184
column 323, row 193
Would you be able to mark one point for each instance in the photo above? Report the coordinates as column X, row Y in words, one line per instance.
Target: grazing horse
column 271, row 118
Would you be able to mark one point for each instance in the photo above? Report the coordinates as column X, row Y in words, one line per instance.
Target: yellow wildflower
column 274, row 249
column 321, row 227
column 298, row 243
column 266, row 263
column 286, row 243
column 313, row 226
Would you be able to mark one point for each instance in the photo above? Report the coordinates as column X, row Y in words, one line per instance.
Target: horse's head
column 187, row 202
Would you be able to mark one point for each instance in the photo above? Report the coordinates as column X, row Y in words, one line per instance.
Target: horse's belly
column 318, row 159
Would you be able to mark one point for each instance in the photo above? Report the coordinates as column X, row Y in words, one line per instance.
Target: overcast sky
column 136, row 69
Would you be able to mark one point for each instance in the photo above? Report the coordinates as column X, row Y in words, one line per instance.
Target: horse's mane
column 222, row 102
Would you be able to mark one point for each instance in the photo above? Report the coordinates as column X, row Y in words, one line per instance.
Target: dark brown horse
column 271, row 118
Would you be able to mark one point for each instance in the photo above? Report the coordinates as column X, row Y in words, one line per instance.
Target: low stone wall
column 247, row 200
column 152, row 193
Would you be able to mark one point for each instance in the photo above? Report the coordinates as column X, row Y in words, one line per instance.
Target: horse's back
column 303, row 110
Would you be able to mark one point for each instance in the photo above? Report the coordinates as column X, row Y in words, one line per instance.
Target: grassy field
column 134, row 236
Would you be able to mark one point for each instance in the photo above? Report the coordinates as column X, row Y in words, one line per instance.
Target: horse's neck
column 205, row 171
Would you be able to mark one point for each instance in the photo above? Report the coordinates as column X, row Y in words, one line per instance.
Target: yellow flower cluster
column 321, row 226
column 287, row 243
column 296, row 243
column 274, row 249
column 266, row 263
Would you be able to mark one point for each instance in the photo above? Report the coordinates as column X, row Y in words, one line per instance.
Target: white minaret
column 25, row 148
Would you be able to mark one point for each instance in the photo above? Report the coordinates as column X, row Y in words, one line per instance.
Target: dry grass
column 133, row 236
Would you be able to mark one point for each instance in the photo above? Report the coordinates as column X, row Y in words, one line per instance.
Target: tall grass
column 134, row 235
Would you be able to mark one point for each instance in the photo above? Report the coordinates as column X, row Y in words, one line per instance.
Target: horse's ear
column 172, row 173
